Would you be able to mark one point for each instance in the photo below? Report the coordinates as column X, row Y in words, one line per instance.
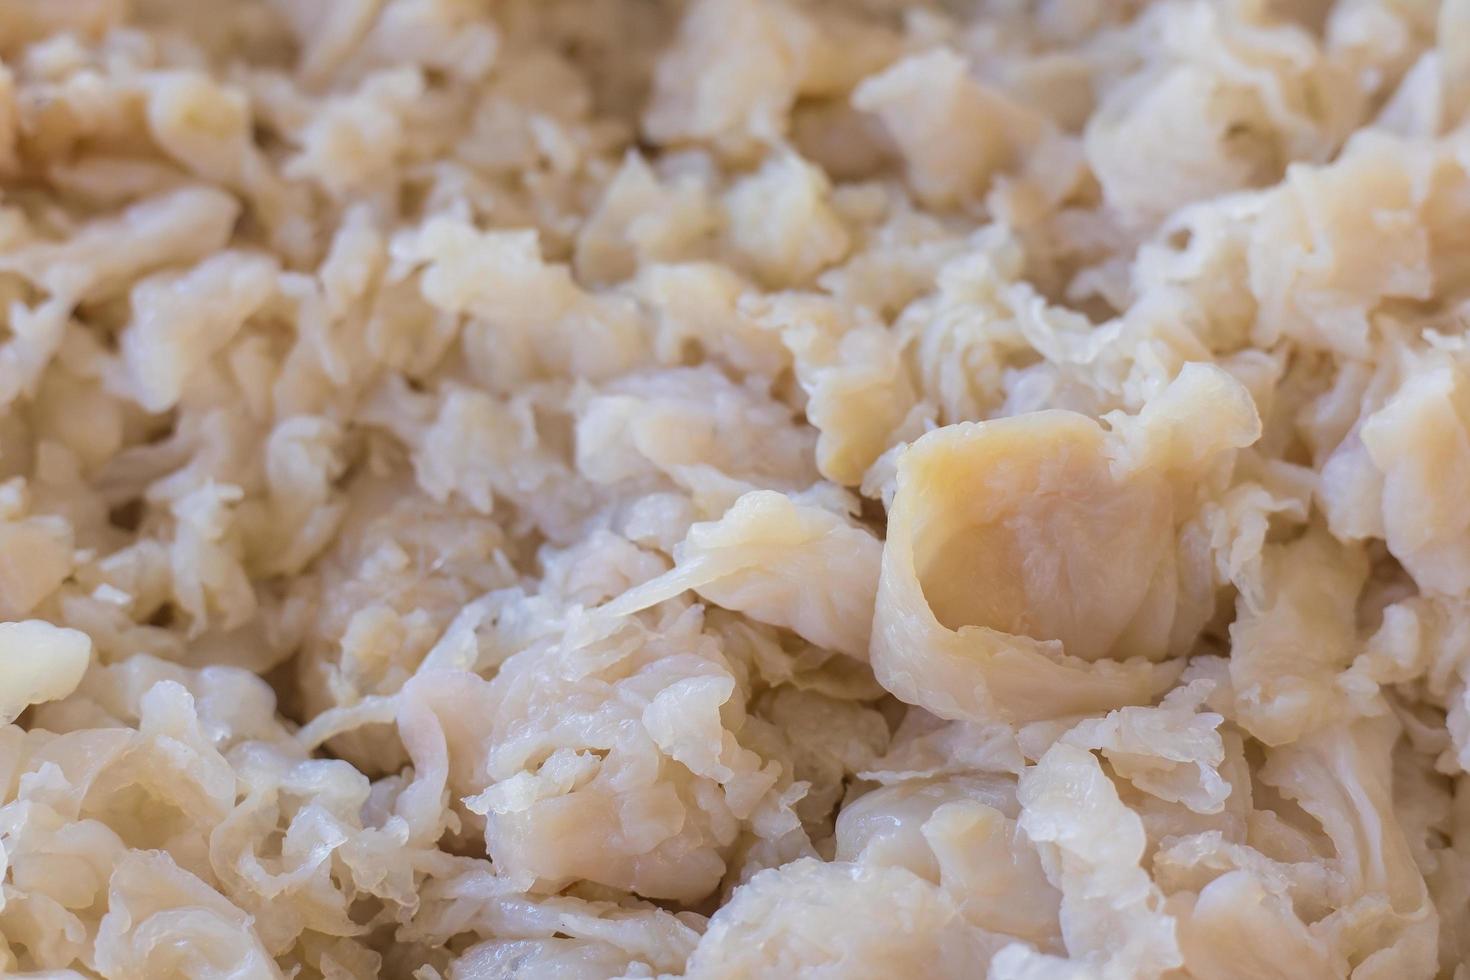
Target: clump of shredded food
column 855, row 489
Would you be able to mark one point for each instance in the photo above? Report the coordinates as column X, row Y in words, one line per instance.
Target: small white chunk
column 39, row 662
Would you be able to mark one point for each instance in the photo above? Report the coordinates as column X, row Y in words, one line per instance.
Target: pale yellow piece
column 1031, row 568
column 779, row 562
column 35, row 557
column 39, row 662
column 1014, row 561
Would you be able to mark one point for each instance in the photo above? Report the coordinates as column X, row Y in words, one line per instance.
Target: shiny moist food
column 734, row 489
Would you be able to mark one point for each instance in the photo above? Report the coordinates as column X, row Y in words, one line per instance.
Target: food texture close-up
column 735, row 489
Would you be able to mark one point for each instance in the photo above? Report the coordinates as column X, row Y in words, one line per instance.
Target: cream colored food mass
column 572, row 489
